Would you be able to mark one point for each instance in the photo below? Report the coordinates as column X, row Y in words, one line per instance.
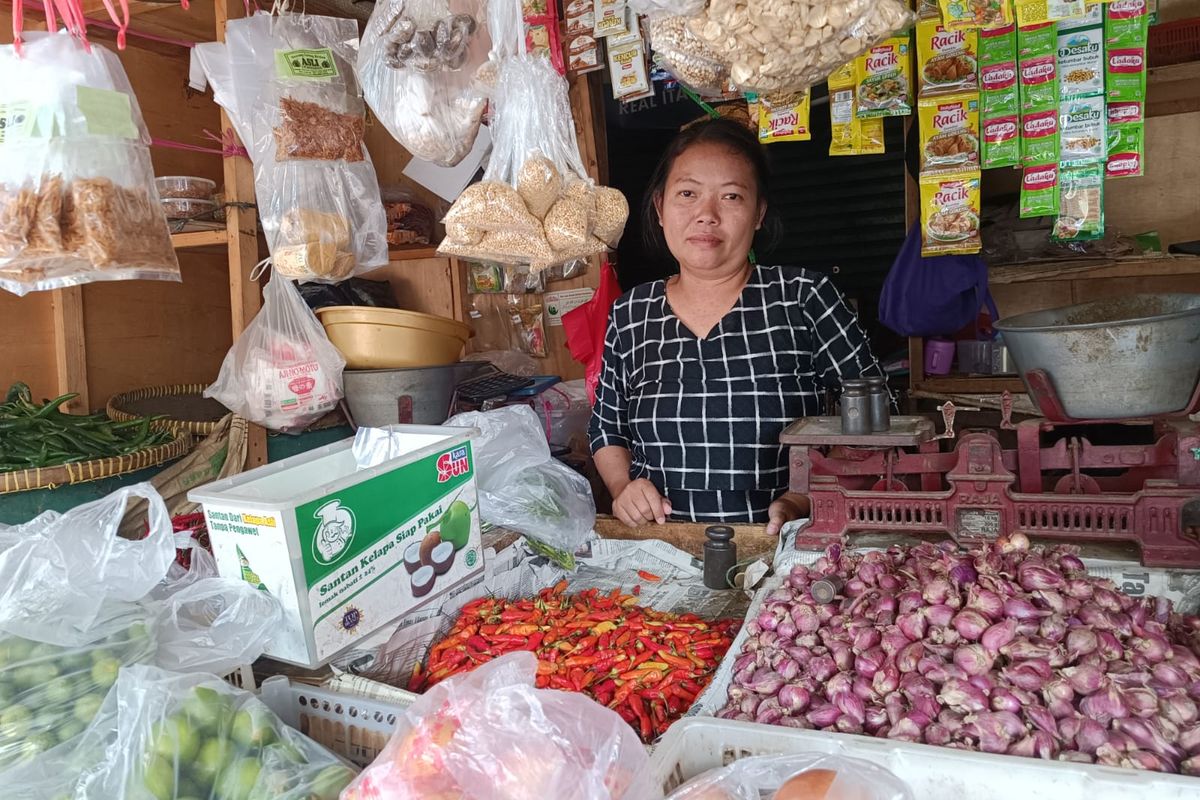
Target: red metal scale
column 1056, row 484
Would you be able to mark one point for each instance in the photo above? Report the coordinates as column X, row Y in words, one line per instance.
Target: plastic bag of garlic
column 535, row 204
column 772, row 46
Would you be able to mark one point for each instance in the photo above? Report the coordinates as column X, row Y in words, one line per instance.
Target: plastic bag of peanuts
column 535, row 204
column 774, row 46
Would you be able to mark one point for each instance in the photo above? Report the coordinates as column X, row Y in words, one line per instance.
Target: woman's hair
column 734, row 136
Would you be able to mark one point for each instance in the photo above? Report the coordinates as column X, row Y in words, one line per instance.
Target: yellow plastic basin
column 384, row 338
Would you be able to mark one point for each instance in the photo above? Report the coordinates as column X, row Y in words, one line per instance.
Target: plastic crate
column 356, row 728
column 1174, row 42
column 697, row 744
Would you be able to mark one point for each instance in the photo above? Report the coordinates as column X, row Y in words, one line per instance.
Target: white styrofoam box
column 356, row 728
column 343, row 549
column 695, row 745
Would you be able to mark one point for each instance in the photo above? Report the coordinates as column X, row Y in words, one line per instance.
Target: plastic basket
column 1174, row 42
column 695, row 745
column 356, row 728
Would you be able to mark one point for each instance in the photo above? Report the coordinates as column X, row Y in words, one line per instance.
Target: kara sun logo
column 334, row 534
column 452, row 464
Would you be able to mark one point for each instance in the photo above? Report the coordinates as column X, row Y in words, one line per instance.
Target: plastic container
column 185, row 186
column 939, row 356
column 1173, row 42
column 187, row 208
column 380, row 397
column 356, row 728
column 386, row 338
column 974, row 357
column 697, row 744
column 329, row 540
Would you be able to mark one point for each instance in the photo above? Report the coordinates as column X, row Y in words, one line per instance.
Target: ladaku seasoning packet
column 1040, row 137
column 950, row 209
column 1039, row 190
column 1001, row 142
column 1125, row 31
column 1126, row 140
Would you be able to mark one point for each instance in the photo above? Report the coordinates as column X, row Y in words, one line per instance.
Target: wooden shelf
column 413, row 253
column 1088, row 268
column 189, row 239
column 969, row 384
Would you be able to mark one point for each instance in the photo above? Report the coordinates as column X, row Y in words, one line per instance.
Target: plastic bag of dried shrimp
column 417, row 65
column 289, row 86
column 77, row 196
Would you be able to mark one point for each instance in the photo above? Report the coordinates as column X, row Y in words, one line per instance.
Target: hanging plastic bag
column 520, row 485
column 587, row 325
column 168, row 736
column 282, row 372
column 289, row 86
column 77, row 196
column 490, row 735
column 417, row 64
column 804, row 775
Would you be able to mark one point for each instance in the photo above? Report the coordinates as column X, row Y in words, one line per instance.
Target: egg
column 811, row 785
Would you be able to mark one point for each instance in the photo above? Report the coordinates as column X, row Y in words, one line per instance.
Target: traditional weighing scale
column 1136, row 361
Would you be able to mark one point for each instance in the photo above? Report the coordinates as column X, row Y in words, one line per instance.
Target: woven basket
column 84, row 471
column 118, row 407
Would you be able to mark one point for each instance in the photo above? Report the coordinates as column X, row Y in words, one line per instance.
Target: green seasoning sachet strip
column 1040, row 137
column 1037, row 40
column 1125, row 31
column 1039, row 83
column 1001, row 143
column 998, row 89
column 1126, row 23
column 1039, row 190
column 998, row 45
column 1126, row 140
column 1080, row 204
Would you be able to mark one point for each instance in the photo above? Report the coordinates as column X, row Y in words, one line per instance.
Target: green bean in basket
column 38, row 436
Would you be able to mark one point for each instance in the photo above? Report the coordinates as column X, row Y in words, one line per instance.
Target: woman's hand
column 639, row 503
column 787, row 508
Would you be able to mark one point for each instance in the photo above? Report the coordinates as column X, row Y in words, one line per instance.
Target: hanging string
column 260, row 268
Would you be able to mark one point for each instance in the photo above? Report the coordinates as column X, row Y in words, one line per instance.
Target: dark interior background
column 843, row 216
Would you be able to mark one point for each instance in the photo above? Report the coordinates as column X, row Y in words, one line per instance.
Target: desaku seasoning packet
column 947, row 60
column 884, row 80
column 950, row 209
column 949, row 133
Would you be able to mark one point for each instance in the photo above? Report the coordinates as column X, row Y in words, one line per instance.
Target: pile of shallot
column 1005, row 650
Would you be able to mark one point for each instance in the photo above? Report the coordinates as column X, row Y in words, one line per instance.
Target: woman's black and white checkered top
column 701, row 418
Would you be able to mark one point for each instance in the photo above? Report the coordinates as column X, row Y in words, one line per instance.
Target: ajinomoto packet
column 1082, row 125
column 1000, row 144
column 850, row 136
column 1081, row 62
column 1039, row 190
column 1037, row 40
column 949, row 133
column 947, row 60
column 973, row 14
column 950, row 209
column 1039, row 137
column 884, row 80
column 1035, row 12
column 1080, row 204
column 784, row 117
column 1126, row 140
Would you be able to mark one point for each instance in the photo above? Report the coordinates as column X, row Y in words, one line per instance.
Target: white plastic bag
column 289, row 86
column 667, row 8
column 282, row 372
column 490, row 735
column 77, row 196
column 808, row 775
column 520, row 485
column 168, row 736
column 417, row 64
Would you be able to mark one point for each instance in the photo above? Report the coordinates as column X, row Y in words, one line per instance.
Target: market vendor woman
column 703, row 371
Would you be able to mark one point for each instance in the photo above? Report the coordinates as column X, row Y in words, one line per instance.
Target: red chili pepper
column 648, row 576
column 637, row 590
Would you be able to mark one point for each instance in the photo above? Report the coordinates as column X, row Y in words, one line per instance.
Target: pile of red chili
column 647, row 665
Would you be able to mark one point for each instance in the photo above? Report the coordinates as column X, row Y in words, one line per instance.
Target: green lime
column 208, row 709
column 159, row 778
column 329, row 782
column 76, row 660
column 211, row 760
column 87, row 706
column 18, row 649
column 30, row 676
column 15, row 722
column 283, row 753
column 104, row 672
column 237, row 782
column 175, row 739
column 254, row 728
column 69, row 729
column 59, row 691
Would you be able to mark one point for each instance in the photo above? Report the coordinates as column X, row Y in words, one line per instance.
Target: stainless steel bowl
column 1124, row 357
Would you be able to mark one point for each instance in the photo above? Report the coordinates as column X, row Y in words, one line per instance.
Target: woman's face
column 710, row 209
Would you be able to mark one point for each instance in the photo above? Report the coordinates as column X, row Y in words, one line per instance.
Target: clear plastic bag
column 809, row 775
column 77, row 197
column 282, row 372
column 168, row 736
column 490, row 735
column 667, row 8
column 687, row 57
column 289, row 86
column 787, row 47
column 520, row 485
column 417, row 65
